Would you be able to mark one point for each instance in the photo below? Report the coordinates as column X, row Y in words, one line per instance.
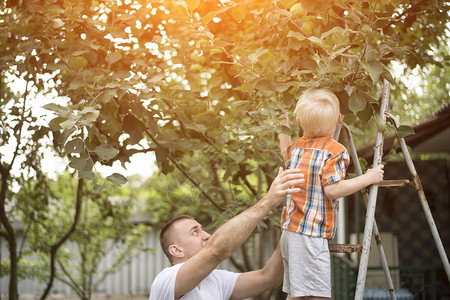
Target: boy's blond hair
column 318, row 112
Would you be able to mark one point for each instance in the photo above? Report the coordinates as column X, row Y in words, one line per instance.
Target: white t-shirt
column 218, row 285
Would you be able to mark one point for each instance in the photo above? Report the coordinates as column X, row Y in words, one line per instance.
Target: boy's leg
column 309, row 266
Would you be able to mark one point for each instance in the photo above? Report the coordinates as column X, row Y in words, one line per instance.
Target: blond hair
column 318, row 112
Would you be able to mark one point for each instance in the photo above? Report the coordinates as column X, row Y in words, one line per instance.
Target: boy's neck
column 311, row 136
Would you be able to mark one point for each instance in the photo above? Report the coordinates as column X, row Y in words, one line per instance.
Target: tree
column 203, row 83
column 104, row 226
column 21, row 143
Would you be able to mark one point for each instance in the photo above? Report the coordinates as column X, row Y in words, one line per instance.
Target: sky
column 142, row 164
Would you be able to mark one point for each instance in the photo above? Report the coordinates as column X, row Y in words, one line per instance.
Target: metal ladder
column 370, row 199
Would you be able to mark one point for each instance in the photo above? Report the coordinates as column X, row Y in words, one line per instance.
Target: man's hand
column 283, row 217
column 282, row 185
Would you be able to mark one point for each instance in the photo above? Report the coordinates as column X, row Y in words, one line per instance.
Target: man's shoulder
column 164, row 283
column 167, row 272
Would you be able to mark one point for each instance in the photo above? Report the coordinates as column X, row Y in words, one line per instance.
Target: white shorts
column 307, row 267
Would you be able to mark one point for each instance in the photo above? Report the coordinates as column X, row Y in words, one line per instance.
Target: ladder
column 370, row 199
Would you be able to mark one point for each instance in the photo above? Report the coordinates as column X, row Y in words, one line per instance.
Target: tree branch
column 181, row 169
column 18, row 135
column 218, row 183
column 72, row 283
column 250, row 187
column 54, row 248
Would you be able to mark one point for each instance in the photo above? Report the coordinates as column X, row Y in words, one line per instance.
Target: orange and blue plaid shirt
column 323, row 161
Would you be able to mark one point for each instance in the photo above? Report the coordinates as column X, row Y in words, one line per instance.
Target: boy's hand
column 376, row 174
column 285, row 120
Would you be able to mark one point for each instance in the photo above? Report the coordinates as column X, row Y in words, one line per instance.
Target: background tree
column 105, row 225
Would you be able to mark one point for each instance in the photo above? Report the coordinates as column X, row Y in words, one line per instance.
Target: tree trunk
column 10, row 235
column 13, row 292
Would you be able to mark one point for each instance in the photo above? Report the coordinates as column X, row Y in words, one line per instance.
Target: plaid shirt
column 323, row 161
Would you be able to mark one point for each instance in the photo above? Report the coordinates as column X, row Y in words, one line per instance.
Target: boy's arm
column 347, row 187
column 285, row 140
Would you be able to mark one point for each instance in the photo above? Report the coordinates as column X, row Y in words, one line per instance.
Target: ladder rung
column 394, row 183
column 344, row 248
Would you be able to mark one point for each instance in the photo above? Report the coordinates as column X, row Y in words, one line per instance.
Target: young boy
column 311, row 213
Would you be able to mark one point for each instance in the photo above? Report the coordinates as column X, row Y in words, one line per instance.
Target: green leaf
column 90, row 113
column 157, row 78
column 366, row 114
column 57, row 23
column 117, row 179
column 375, row 68
column 192, row 4
column 318, row 42
column 238, row 13
column 208, row 17
column 388, row 76
column 76, row 84
column 356, row 102
column 58, row 109
column 404, row 131
column 197, row 127
column 238, row 157
column 74, row 146
column 381, row 124
column 78, row 62
column 68, row 124
column 113, row 57
column 82, row 163
column 106, row 152
column 296, row 35
column 254, row 56
column 133, row 127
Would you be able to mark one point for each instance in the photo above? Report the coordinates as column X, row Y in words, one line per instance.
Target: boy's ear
column 340, row 119
column 298, row 120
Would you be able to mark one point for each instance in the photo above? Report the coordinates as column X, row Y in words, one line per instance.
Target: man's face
column 190, row 236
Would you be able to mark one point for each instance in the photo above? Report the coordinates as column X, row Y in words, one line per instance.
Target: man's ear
column 176, row 251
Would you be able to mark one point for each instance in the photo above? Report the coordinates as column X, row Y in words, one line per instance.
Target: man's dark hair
column 165, row 238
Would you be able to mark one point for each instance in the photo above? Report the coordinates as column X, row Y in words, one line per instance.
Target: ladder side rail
column 384, row 263
column 373, row 192
column 423, row 200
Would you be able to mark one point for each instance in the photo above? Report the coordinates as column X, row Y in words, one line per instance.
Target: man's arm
column 347, row 187
column 231, row 235
column 256, row 282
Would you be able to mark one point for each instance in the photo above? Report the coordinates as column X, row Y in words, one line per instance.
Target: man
column 194, row 254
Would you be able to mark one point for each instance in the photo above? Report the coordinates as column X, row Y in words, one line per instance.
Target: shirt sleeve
column 335, row 168
column 163, row 287
column 226, row 280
